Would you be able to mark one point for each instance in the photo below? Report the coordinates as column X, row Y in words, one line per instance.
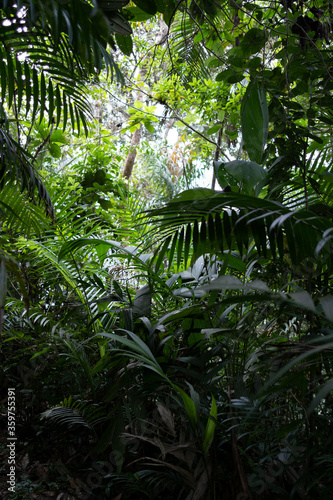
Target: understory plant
column 181, row 349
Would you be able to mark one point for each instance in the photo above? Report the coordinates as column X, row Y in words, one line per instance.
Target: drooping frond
column 48, row 52
column 16, row 165
column 189, row 57
column 19, row 214
column 75, row 413
column 201, row 221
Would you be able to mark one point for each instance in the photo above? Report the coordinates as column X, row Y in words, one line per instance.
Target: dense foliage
column 166, row 339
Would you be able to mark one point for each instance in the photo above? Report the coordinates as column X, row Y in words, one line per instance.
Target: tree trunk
column 129, row 164
column 136, row 137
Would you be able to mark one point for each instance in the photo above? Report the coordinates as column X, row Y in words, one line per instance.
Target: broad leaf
column 249, row 173
column 148, row 6
column 142, row 301
column 254, row 121
column 125, row 43
column 327, row 305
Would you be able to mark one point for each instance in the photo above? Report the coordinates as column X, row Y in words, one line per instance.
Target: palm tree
column 49, row 51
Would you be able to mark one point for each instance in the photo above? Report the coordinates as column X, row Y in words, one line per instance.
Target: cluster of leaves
column 193, row 340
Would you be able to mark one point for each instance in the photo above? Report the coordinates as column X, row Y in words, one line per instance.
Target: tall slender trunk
column 136, row 137
column 130, row 160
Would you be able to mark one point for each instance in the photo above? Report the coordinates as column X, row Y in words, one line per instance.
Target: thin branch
column 46, row 140
column 217, row 155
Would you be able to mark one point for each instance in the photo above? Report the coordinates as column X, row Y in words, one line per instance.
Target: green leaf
column 252, row 42
column 42, row 95
column 137, row 15
column 254, row 113
column 65, row 110
column 212, row 61
column 77, row 119
column 19, row 81
column 227, row 228
column 304, row 299
column 125, row 43
column 180, row 246
column 259, row 234
column 172, row 249
column 105, row 204
column 195, row 238
column 218, row 231
column 142, row 301
column 10, row 79
column 254, row 63
column 3, row 79
column 226, row 282
column 35, row 91
column 50, row 101
column 187, row 242
column 327, row 305
column 27, row 85
column 161, row 253
column 149, row 127
column 71, row 114
column 189, row 406
column 193, row 194
column 102, row 251
column 214, row 129
column 247, row 172
column 211, row 231
column 148, row 6
column 39, row 353
column 230, row 76
column 59, row 137
column 138, row 349
column 203, row 236
column 169, row 10
column 70, row 246
column 58, row 105
column 327, row 176
column 55, row 150
column 119, row 24
column 210, row 427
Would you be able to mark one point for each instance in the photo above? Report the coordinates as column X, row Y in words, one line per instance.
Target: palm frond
column 19, row 214
column 16, row 164
column 76, row 413
column 201, row 221
column 189, row 58
column 47, row 56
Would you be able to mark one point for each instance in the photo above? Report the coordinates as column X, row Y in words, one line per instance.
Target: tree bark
column 136, row 137
column 129, row 164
